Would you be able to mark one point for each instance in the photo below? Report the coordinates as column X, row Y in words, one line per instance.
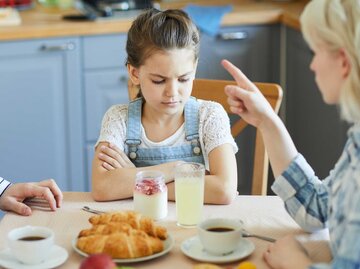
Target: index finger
column 236, row 73
column 54, row 188
column 35, row 190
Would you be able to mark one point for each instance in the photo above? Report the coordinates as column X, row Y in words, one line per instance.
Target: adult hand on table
column 13, row 197
column 287, row 253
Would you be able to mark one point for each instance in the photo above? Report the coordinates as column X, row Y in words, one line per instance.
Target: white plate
column 168, row 244
column 57, row 256
column 192, row 248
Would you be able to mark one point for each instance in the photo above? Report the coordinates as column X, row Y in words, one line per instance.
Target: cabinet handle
column 63, row 47
column 234, row 35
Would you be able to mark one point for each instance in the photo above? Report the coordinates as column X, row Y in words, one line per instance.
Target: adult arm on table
column 288, row 253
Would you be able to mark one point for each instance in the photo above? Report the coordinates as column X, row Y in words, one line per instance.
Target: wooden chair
column 213, row 90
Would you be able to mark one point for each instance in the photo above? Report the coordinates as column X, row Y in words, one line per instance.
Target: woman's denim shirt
column 333, row 202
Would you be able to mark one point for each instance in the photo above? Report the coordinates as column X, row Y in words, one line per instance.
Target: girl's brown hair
column 156, row 30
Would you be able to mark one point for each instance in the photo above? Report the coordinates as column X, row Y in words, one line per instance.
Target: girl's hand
column 245, row 99
column 113, row 158
column 287, row 253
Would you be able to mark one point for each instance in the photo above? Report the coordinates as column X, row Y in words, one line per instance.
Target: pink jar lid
column 150, row 182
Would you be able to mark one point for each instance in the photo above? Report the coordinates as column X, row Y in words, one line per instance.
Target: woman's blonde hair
column 336, row 24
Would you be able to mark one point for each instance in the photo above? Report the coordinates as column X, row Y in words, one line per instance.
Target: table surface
column 261, row 214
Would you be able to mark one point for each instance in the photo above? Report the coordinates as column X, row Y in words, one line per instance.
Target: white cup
column 220, row 236
column 31, row 244
column 189, row 193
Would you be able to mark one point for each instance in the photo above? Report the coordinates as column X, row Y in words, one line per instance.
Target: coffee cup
column 220, row 236
column 31, row 244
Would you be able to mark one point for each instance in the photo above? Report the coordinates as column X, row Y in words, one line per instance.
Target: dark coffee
column 31, row 238
column 220, row 229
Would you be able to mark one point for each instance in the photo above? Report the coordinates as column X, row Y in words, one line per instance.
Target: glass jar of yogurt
column 150, row 194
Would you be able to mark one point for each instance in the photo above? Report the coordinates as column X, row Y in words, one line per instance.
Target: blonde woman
column 332, row 30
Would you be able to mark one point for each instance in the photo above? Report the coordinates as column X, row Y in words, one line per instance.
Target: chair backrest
column 208, row 89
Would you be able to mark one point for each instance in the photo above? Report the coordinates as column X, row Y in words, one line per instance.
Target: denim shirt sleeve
column 310, row 212
column 347, row 253
column 304, row 195
column 348, row 250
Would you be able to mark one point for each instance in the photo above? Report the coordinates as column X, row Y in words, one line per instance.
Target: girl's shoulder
column 210, row 107
column 117, row 111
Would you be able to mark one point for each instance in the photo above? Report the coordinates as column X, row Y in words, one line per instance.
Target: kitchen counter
column 41, row 22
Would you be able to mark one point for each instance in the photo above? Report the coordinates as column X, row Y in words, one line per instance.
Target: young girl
column 332, row 29
column 165, row 126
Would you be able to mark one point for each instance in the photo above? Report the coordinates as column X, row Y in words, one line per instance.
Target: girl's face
column 166, row 80
column 331, row 69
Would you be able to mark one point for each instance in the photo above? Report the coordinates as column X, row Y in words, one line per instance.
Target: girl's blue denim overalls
column 189, row 152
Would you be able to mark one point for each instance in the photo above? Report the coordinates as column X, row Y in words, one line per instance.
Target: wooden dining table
column 264, row 215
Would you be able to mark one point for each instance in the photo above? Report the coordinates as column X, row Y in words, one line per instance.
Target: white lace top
column 214, row 129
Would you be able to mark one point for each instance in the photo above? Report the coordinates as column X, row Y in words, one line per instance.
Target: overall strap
column 133, row 130
column 192, row 107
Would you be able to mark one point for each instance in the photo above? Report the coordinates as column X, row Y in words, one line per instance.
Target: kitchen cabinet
column 256, row 51
column 314, row 126
column 40, row 106
column 105, row 77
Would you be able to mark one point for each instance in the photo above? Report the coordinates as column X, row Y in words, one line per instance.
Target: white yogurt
column 150, row 194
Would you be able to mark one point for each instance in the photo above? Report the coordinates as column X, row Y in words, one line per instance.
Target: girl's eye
column 183, row 79
column 158, row 81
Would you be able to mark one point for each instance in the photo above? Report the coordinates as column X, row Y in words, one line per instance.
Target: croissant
column 106, row 229
column 121, row 245
column 136, row 221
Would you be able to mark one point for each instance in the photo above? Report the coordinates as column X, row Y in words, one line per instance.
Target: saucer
column 192, row 248
column 57, row 256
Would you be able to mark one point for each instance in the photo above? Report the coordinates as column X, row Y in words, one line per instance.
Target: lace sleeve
column 113, row 126
column 214, row 127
